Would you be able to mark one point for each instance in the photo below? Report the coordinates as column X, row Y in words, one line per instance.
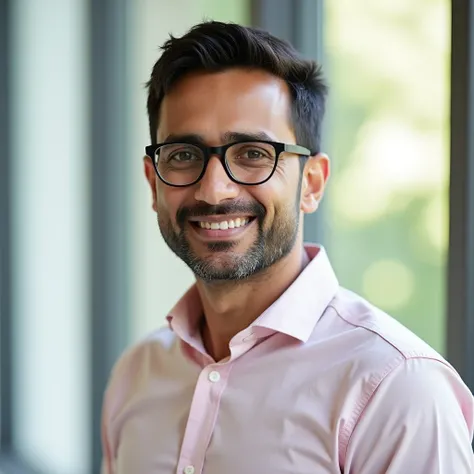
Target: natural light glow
column 435, row 225
column 390, row 161
column 388, row 284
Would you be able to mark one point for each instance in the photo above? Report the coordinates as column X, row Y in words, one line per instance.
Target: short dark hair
column 215, row 46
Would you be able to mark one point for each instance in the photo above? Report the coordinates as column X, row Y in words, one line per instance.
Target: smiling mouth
column 223, row 224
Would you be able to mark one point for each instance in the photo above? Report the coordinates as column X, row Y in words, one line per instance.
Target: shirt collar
column 294, row 313
column 301, row 306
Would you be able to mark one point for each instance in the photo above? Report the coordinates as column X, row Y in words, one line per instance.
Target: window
column 388, row 136
column 49, row 301
column 390, row 67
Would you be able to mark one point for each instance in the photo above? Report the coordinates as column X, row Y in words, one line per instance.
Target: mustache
column 235, row 207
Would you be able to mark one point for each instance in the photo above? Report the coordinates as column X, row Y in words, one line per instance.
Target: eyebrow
column 227, row 137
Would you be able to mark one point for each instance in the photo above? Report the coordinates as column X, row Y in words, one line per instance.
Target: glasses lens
column 251, row 162
column 179, row 163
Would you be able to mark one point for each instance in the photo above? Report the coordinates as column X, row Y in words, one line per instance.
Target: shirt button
column 214, row 376
column 189, row 470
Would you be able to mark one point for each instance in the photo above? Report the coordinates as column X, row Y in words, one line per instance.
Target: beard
column 223, row 264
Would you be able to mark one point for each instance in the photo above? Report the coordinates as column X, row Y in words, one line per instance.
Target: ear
column 315, row 176
column 151, row 177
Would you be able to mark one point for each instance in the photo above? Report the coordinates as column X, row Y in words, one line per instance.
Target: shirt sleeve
column 419, row 420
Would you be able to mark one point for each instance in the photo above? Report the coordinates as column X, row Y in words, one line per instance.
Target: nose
column 215, row 186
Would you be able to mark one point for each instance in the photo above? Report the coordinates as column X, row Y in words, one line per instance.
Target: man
column 268, row 365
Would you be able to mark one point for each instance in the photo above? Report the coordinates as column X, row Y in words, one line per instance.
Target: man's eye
column 253, row 154
column 183, row 156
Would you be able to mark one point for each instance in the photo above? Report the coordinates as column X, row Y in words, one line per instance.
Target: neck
column 231, row 307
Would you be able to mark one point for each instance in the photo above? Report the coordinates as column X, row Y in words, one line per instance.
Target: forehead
column 236, row 100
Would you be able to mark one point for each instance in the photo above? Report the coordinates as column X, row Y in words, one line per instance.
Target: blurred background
column 84, row 270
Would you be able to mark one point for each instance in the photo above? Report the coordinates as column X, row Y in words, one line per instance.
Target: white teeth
column 224, row 225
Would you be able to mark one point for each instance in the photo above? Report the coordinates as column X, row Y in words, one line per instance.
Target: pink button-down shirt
column 322, row 382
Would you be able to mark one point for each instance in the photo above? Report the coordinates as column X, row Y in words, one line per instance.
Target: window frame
column 460, row 276
column 6, row 372
column 109, row 195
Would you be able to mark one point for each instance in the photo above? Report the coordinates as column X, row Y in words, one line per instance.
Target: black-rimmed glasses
column 245, row 162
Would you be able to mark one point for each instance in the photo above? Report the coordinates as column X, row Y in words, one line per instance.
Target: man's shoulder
column 141, row 355
column 367, row 344
column 359, row 314
column 162, row 339
column 385, row 357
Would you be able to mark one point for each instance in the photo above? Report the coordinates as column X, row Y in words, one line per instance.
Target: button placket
column 202, row 418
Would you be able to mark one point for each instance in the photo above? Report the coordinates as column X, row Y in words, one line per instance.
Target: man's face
column 263, row 220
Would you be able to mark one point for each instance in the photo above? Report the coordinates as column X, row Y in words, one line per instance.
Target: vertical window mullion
column 461, row 232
